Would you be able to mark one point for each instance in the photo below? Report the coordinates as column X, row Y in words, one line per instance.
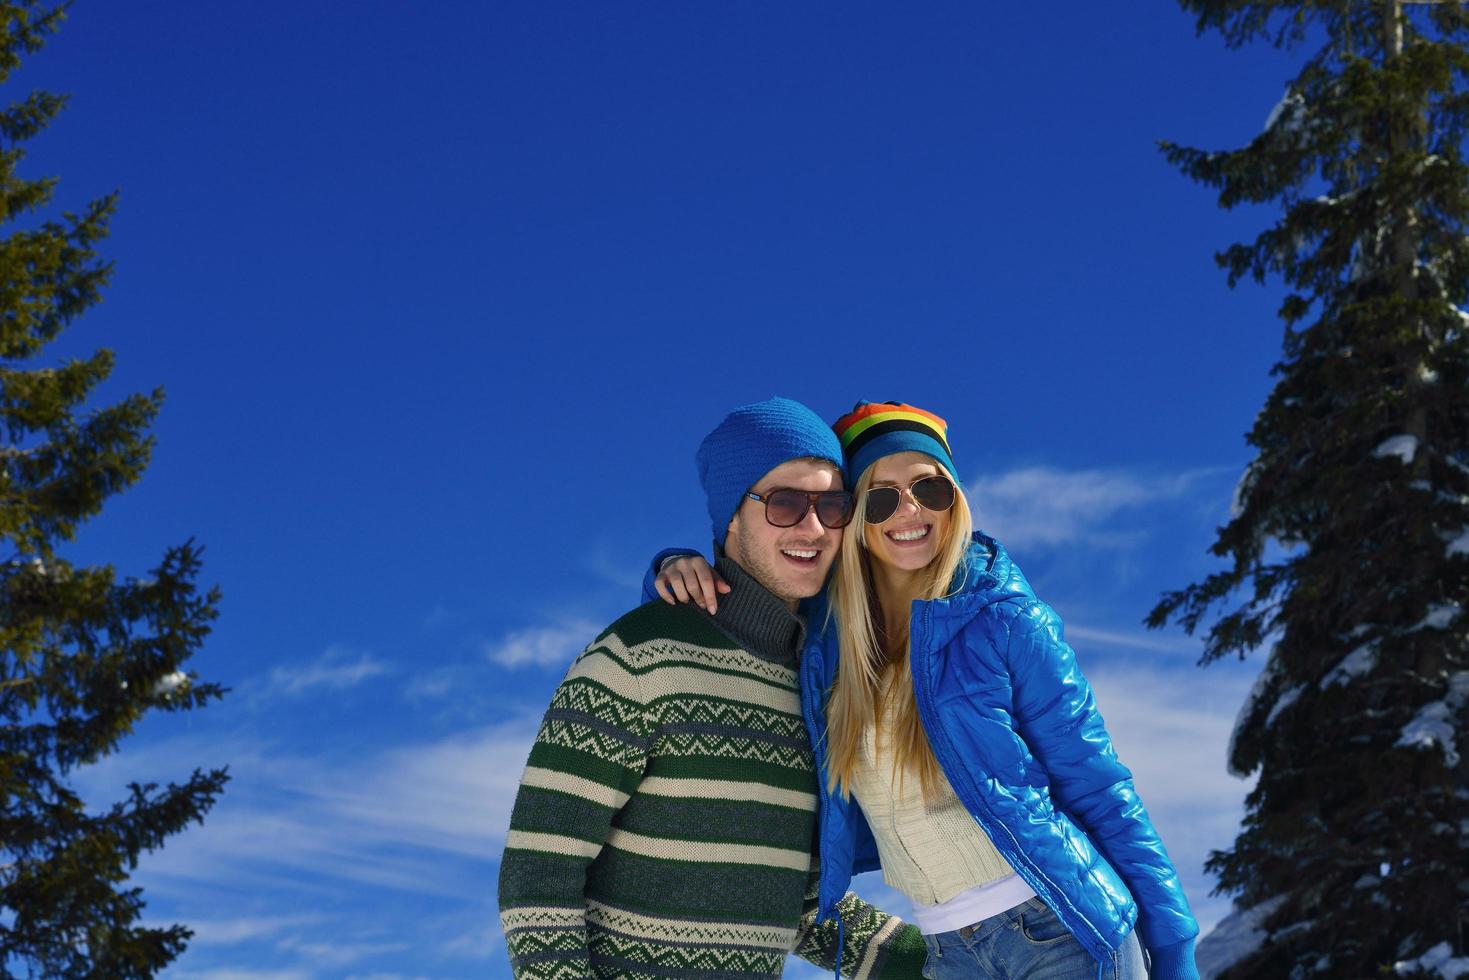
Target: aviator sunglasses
column 787, row 508
column 934, row 493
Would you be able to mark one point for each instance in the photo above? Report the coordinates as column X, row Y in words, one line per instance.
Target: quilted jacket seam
column 1118, row 914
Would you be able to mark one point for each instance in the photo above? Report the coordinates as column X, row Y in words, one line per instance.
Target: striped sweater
column 664, row 824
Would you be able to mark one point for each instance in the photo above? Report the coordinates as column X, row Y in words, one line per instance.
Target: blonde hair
column 870, row 684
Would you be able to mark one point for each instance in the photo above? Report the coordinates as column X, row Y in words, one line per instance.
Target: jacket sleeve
column 650, row 593
column 1057, row 716
column 874, row 945
column 587, row 759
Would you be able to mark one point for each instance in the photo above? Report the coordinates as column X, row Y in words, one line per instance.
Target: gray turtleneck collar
column 754, row 617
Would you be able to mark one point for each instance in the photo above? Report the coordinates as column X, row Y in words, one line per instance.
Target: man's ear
column 731, row 538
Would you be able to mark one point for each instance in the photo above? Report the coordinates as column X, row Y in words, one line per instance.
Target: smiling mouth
column 804, row 556
column 910, row 535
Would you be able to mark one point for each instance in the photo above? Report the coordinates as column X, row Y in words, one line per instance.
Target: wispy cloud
column 609, row 565
column 1045, row 505
column 543, row 646
column 442, row 682
column 1171, row 728
column 335, row 670
column 230, row 973
column 392, row 819
column 228, row 932
column 336, row 953
column 478, row 942
column 440, row 615
column 453, row 795
column 1181, row 646
column 418, row 825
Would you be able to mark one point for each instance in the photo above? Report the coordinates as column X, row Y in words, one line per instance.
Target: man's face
column 791, row 562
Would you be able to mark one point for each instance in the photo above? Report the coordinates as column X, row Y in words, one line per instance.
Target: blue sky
column 444, row 296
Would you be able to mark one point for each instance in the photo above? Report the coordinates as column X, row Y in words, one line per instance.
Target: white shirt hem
column 972, row 905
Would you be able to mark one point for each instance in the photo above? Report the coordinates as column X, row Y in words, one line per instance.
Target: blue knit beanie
column 750, row 442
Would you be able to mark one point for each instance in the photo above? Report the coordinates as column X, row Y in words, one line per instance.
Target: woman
column 944, row 703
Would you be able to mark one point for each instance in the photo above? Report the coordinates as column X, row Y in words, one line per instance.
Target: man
column 664, row 823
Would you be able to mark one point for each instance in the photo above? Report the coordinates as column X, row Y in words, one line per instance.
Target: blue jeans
column 1027, row 942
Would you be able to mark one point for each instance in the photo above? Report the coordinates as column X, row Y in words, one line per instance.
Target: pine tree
column 83, row 654
column 1347, row 553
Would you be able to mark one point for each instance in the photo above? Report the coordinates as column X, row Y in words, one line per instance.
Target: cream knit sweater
column 930, row 851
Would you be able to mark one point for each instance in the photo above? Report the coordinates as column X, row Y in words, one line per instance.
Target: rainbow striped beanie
column 872, row 430
column 750, row 442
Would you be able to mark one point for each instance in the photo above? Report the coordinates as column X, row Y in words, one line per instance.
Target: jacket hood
column 986, row 576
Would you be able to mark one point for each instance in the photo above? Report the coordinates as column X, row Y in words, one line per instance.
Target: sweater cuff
column 906, row 955
column 1175, row 962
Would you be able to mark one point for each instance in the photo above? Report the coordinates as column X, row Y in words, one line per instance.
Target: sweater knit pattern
column 664, row 823
column 931, row 850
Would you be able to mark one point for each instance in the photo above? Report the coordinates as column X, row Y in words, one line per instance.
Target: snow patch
column 1439, row 616
column 1440, row 960
column 1434, row 722
column 1263, row 683
column 34, row 564
column 1281, row 703
column 1241, row 488
column 1404, row 447
column 1432, row 725
column 169, row 683
column 1354, row 664
column 1287, row 112
column 1459, row 545
column 1236, row 936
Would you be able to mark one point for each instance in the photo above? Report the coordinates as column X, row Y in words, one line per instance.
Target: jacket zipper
column 1024, row 866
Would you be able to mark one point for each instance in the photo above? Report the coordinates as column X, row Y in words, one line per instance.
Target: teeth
column 913, row 535
column 799, row 554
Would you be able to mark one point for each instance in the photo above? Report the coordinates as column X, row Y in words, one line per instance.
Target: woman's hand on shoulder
column 690, row 579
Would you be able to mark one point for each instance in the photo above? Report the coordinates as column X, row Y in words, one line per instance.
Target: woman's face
column 912, row 537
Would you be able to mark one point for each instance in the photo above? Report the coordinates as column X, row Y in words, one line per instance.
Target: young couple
column 715, row 768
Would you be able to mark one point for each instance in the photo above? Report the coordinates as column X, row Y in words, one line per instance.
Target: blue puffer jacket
column 1016, row 731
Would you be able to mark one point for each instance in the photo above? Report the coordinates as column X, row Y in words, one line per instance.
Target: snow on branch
column 1434, row 723
column 1438, row 617
column 1287, row 698
column 1360, row 661
column 1404, row 447
column 1242, row 489
column 1288, row 113
column 1439, row 960
column 1263, row 687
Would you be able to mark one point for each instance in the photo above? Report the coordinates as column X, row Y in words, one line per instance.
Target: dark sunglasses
column 931, row 493
column 787, row 508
